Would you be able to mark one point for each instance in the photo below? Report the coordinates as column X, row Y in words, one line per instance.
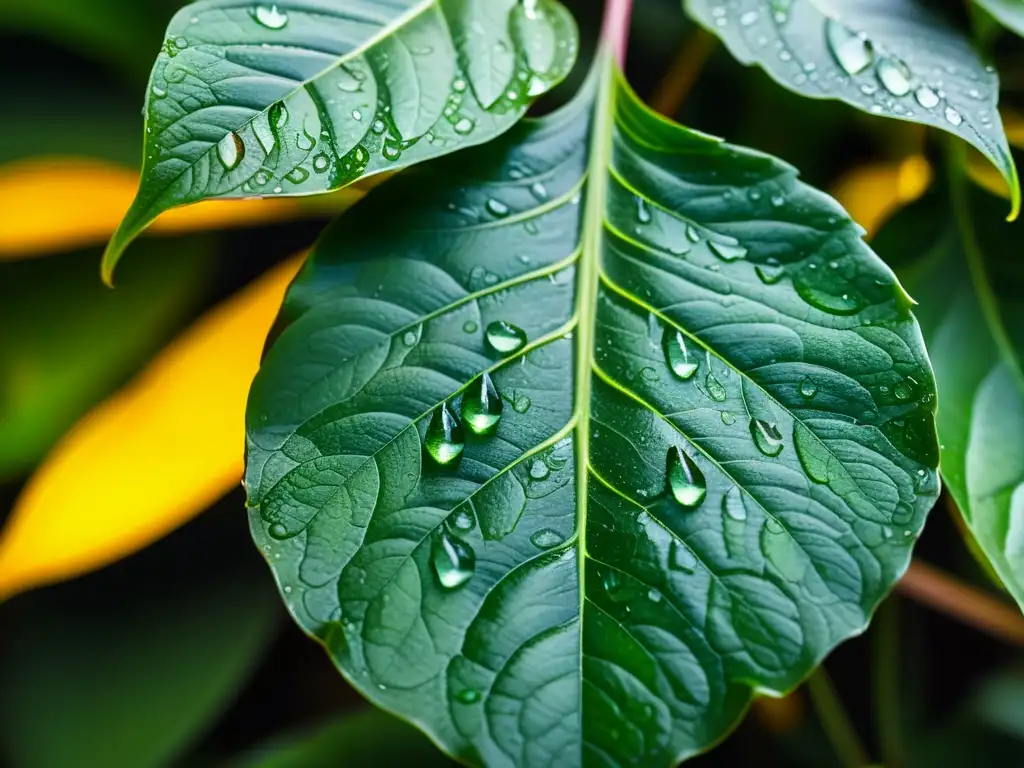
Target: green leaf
column 1009, row 13
column 309, row 96
column 714, row 446
column 77, row 340
column 371, row 738
column 974, row 335
column 895, row 58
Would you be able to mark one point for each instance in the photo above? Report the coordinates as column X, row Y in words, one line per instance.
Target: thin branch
column 968, row 605
column 835, row 721
column 682, row 73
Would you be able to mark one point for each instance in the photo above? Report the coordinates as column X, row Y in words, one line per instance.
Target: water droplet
column 505, row 338
column 304, row 141
column 716, row 391
column 409, row 339
column 766, row 436
column 677, row 356
column 454, row 560
column 270, row 17
column 497, row 208
column 903, row 391
column 278, row 114
column 391, row 151
column 903, row 514
column 778, row 200
column 297, row 175
column 926, row 97
column 539, row 191
column 748, row 18
column 470, row 326
column 769, row 274
column 539, row 470
column 852, row 51
column 481, row 405
column 520, row 402
column 733, row 506
column 546, row 538
column 467, row 696
column 680, row 558
column 230, row 151
column 728, row 419
column 357, row 115
column 643, row 214
column 458, row 85
column 808, row 388
column 685, row 480
column 953, row 117
column 320, row 163
column 461, row 521
column 445, row 437
column 464, row 126
column 278, row 531
column 692, row 234
column 158, row 92
column 727, row 251
column 894, row 75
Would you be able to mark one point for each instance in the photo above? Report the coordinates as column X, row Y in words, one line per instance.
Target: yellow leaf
column 152, row 456
column 873, row 192
column 92, row 195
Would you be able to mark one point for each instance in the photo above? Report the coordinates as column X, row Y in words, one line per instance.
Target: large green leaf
column 896, row 58
column 974, row 335
column 1009, row 13
column 715, row 446
column 303, row 97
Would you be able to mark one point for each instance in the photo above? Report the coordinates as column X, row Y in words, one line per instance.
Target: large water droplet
column 727, row 251
column 926, row 97
column 454, row 560
column 808, row 388
column 733, row 506
column 677, row 356
column 895, row 75
column 504, row 338
column 497, row 208
column 445, row 437
column 270, row 17
column 716, row 390
column 680, row 558
column 546, row 538
column 766, row 436
column 460, row 521
column 230, row 151
column 685, row 480
column 481, row 405
column 852, row 51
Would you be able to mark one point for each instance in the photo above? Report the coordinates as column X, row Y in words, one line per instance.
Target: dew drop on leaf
column 733, row 506
column 643, row 213
column 505, row 338
column 270, row 17
column 685, row 480
column 454, row 560
column 467, row 696
column 481, row 405
column 692, row 234
column 716, row 391
column 808, row 389
column 727, row 418
column 766, row 436
column 539, row 470
column 852, row 51
column 677, row 355
column 894, row 75
column 464, row 126
column 230, row 151
column 278, row 531
column 461, row 521
column 546, row 538
column 445, row 437
column 926, row 97
column 297, row 175
column 497, row 208
column 953, row 117
column 727, row 251
column 680, row 558
column 768, row 274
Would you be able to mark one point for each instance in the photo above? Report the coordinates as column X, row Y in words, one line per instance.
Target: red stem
column 616, row 28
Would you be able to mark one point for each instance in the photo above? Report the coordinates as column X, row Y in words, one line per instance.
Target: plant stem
column 615, row 33
column 835, row 721
column 885, row 668
column 948, row 595
column 682, row 73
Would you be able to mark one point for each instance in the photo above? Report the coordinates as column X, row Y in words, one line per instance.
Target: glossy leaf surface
column 302, row 97
column 713, row 452
column 895, row 58
column 975, row 332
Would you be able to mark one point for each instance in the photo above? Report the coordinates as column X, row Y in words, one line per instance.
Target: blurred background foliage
column 140, row 627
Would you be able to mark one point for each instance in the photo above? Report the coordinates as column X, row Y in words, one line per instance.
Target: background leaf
column 1009, row 13
column 748, row 428
column 304, row 98
column 971, row 317
column 897, row 58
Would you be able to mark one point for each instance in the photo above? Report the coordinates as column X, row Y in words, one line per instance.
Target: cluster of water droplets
column 452, row 557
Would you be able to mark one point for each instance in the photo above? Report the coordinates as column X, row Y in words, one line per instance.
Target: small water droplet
column 853, row 52
column 643, row 214
column 320, row 163
column 454, row 560
column 461, row 521
column 539, row 191
column 692, row 234
column 733, row 506
column 357, row 115
column 778, row 200
column 768, row 274
column 505, row 338
column 748, row 18
column 716, row 390
column 728, row 418
column 467, row 696
column 297, row 175
column 539, row 469
column 953, row 117
column 903, row 391
column 497, row 208
column 158, row 92
column 278, row 531
column 766, row 436
column 391, row 151
column 808, row 388
column 895, row 75
column 230, row 150
column 677, row 355
column 445, row 437
column 685, row 480
column 546, row 538
column 481, row 405
column 727, row 251
column 521, row 403
column 926, row 97
column 270, row 17
column 464, row 126
column 680, row 558
column 470, row 326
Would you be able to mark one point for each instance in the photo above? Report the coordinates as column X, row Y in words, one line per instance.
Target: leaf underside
column 981, row 419
column 644, row 541
column 308, row 96
column 893, row 58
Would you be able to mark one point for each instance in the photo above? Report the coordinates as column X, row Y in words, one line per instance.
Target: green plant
column 584, row 430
